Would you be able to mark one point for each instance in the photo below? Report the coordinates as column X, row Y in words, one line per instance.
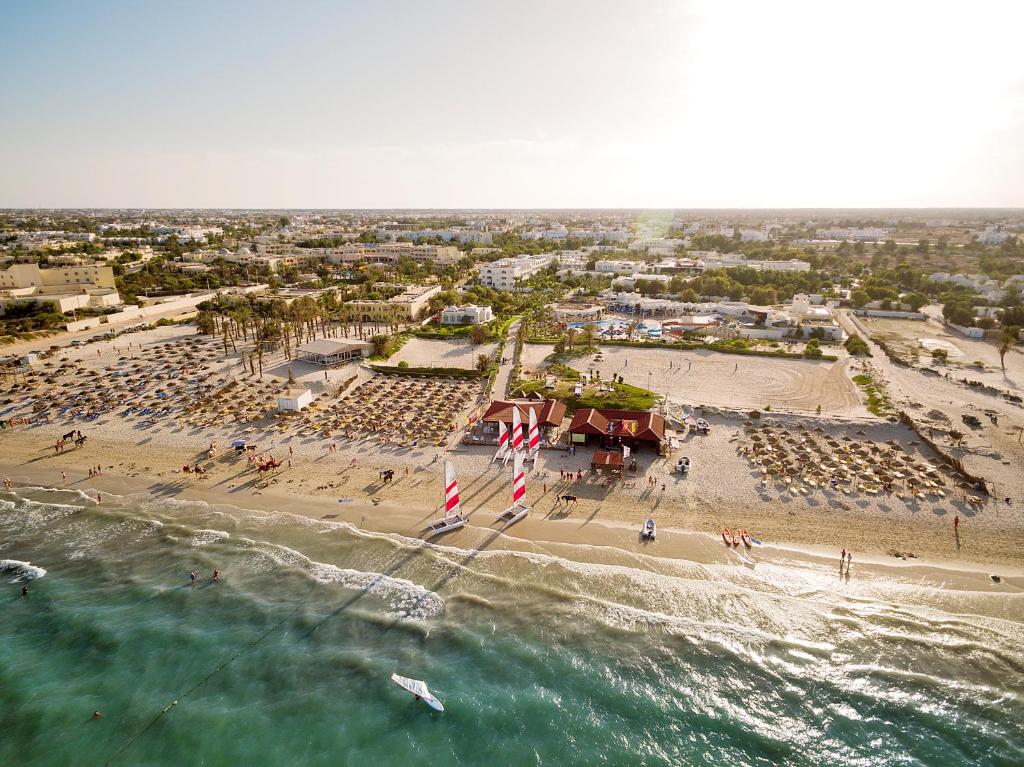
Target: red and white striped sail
column 451, row 491
column 517, row 429
column 518, row 481
column 502, row 440
column 533, row 443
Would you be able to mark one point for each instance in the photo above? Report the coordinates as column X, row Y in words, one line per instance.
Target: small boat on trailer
column 418, row 688
column 649, row 532
column 452, row 519
column 518, row 510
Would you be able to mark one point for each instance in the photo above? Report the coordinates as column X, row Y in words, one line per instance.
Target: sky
column 554, row 103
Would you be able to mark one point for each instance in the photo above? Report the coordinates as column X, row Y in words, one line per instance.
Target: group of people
column 845, row 556
column 193, row 578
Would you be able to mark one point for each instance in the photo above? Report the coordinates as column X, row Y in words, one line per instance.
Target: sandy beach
column 724, row 488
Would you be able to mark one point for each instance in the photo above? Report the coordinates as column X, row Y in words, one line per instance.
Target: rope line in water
column 195, row 687
column 398, row 562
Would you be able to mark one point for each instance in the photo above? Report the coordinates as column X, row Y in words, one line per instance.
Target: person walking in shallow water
column 192, row 577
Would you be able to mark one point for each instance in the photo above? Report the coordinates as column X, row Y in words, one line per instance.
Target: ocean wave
column 405, row 598
column 21, row 571
column 204, row 537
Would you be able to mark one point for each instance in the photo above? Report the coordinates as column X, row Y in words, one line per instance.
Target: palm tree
column 1007, row 342
column 589, row 331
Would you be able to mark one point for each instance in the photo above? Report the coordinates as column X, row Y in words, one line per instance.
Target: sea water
column 539, row 660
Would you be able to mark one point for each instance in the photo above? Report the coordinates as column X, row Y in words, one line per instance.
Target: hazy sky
column 617, row 103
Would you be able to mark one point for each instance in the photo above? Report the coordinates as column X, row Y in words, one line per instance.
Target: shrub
column 857, row 346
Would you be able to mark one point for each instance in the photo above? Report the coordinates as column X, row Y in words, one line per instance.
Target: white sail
column 502, row 441
column 518, row 481
column 452, row 505
column 517, row 429
column 533, row 441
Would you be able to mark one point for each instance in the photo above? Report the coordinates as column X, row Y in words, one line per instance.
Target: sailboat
column 533, row 438
column 452, row 519
column 516, row 437
column 518, row 509
column 502, row 441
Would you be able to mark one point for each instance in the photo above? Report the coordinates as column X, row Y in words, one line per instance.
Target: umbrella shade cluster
column 395, row 407
column 803, row 461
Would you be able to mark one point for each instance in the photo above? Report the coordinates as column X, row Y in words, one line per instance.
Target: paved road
column 505, row 371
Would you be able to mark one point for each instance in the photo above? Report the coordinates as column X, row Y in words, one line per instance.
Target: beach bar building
column 611, row 429
column 550, row 414
column 329, row 352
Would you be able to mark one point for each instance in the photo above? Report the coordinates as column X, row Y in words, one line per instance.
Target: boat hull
column 513, row 514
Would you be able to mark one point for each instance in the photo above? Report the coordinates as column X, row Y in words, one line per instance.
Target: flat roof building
column 329, row 352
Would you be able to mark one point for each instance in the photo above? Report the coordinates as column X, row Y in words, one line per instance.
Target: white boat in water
column 418, row 688
column 452, row 519
column 649, row 532
column 518, row 509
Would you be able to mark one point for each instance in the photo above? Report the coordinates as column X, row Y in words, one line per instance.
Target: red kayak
column 746, row 538
column 735, row 537
column 725, row 536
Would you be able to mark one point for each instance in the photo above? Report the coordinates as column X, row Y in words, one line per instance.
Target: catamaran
column 518, row 509
column 533, row 440
column 452, row 519
column 502, row 441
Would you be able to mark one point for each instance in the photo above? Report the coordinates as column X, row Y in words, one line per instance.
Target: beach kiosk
column 295, row 399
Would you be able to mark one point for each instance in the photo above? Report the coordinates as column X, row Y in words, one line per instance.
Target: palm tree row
column 270, row 325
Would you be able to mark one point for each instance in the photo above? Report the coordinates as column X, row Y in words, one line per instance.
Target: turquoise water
column 539, row 660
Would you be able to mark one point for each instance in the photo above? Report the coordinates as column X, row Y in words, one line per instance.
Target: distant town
column 738, row 275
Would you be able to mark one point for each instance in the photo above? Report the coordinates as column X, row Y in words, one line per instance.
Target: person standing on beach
column 849, row 561
column 842, row 558
column 956, row 524
column 63, row 477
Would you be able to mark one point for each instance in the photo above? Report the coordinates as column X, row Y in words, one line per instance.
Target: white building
column 67, row 288
column 993, row 235
column 295, row 399
column 866, row 234
column 509, row 273
column 466, row 315
column 620, row 267
column 628, row 281
column 658, row 246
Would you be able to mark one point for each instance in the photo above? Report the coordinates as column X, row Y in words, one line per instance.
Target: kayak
column 725, row 536
column 735, row 537
column 745, row 536
column 419, row 689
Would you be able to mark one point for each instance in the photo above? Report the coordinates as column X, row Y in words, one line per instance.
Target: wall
column 968, row 332
column 92, row 322
column 891, row 313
